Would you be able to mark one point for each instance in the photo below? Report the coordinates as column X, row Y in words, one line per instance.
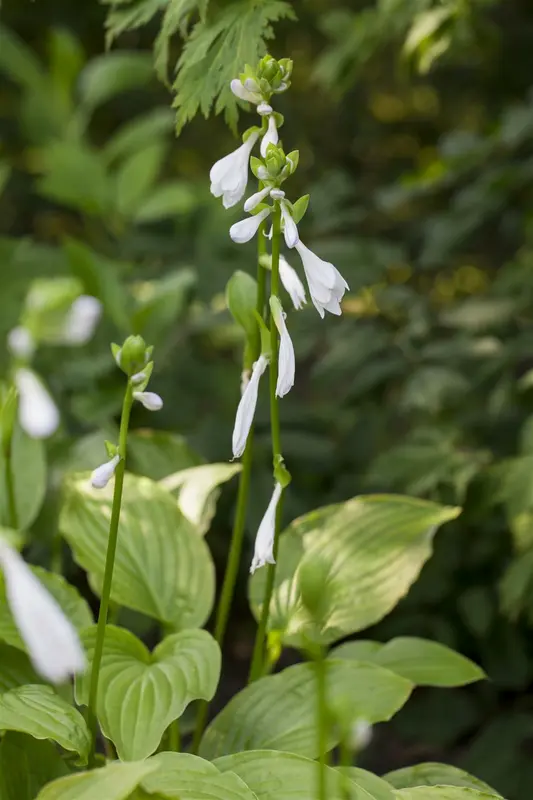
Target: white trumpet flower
column 250, row 95
column 270, row 137
column 292, row 283
column 82, row 319
column 326, row 284
column 286, row 360
column 150, row 400
column 38, row 414
column 50, row 638
column 102, row 475
column 255, row 199
column 229, row 175
column 21, row 343
column 290, row 229
column 246, row 409
column 264, row 540
column 246, row 229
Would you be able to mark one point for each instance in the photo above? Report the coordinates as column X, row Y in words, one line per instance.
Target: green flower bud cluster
column 133, row 358
column 276, row 167
column 268, row 78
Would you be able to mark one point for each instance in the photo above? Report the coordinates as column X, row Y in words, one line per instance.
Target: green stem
column 109, row 566
column 174, row 736
column 322, row 723
column 234, row 555
column 258, row 656
column 10, row 487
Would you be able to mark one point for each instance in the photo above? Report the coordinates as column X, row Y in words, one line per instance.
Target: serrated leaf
column 137, row 14
column 26, row 765
column 115, row 781
column 175, row 18
column 28, row 463
column 197, row 491
column 421, row 661
column 38, row 711
column 113, row 73
column 277, row 712
column 141, row 693
column 216, row 52
column 162, row 567
column 434, row 774
column 187, row 777
column 136, row 177
column 372, row 787
column 374, row 546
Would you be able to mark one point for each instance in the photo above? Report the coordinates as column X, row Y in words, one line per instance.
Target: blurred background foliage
column 414, row 120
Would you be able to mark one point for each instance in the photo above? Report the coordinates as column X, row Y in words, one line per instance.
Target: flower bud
column 274, row 160
column 150, row 400
column 268, row 68
column 133, row 355
column 285, row 66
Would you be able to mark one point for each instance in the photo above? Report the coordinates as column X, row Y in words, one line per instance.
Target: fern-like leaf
column 125, row 15
column 176, row 18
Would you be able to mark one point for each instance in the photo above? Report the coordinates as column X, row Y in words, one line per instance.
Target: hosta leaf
column 26, row 765
column 434, row 774
column 277, row 712
column 187, row 777
column 374, row 548
column 15, row 669
column 113, row 73
column 441, row 793
column 197, row 491
column 116, row 781
column 373, row 788
column 29, row 478
column 162, row 567
column 137, row 175
column 423, row 662
column 40, row 712
column 157, row 454
column 141, row 693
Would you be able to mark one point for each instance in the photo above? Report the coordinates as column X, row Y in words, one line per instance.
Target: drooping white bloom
column 38, row 414
column 229, row 175
column 102, row 475
column 360, row 735
column 82, row 319
column 286, row 360
column 50, row 638
column 21, row 343
column 150, row 400
column 292, row 283
column 246, row 229
column 326, row 284
column 255, row 199
column 264, row 541
column 243, row 93
column 270, row 137
column 246, row 409
column 290, row 230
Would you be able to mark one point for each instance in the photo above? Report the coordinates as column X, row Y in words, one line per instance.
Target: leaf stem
column 258, row 656
column 10, row 484
column 109, row 566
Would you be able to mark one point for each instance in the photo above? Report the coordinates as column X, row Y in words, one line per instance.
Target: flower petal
column 290, row 229
column 38, row 414
column 286, row 360
column 243, row 93
column 246, row 409
column 149, row 400
column 270, row 137
column 292, row 283
column 101, row 476
column 82, row 319
column 246, row 229
column 264, row 540
column 255, row 199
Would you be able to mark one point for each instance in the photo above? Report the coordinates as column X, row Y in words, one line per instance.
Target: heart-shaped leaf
column 26, row 765
column 162, row 567
column 278, row 712
column 40, row 712
column 116, row 781
column 156, row 454
column 29, row 478
column 434, row 774
column 373, row 547
column 423, row 662
column 187, row 777
column 141, row 693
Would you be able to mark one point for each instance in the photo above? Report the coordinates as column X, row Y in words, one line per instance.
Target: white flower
column 38, row 414
column 50, row 638
column 360, row 735
column 138, row 378
column 263, row 109
column 102, row 475
column 229, row 176
column 251, row 95
column 82, row 319
column 246, row 229
column 264, row 541
column 286, row 365
column 270, row 137
column 290, row 230
column 246, row 409
column 255, row 199
column 21, row 343
column 149, row 400
column 292, row 283
column 326, row 284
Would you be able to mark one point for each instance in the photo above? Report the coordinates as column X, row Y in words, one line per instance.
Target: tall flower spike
column 246, row 229
column 270, row 137
column 264, row 541
column 50, row 638
column 38, row 414
column 149, row 400
column 229, row 175
column 326, row 284
column 292, row 283
column 102, row 475
column 286, row 366
column 82, row 319
column 290, row 230
column 246, row 409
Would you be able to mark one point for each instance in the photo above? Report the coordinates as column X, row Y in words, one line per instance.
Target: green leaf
column 40, row 712
column 187, row 777
column 434, row 774
column 115, row 781
column 113, row 73
column 272, row 775
column 26, row 765
column 215, row 53
column 241, row 300
column 136, row 177
column 197, row 491
column 162, row 568
column 134, row 16
column 28, row 462
column 176, row 17
column 18, row 60
column 74, row 606
column 169, row 200
column 138, row 133
column 157, row 454
column 374, row 546
column 423, row 662
column 15, row 669
column 372, row 787
column 141, row 693
column 162, row 303
column 441, row 793
column 75, row 175
column 277, row 712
